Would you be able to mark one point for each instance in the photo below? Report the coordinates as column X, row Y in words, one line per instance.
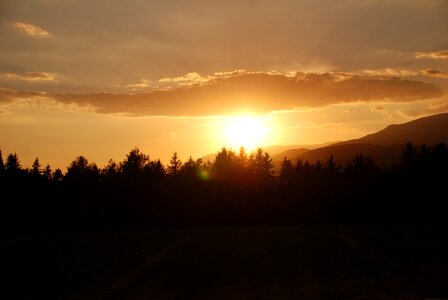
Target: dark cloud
column 259, row 92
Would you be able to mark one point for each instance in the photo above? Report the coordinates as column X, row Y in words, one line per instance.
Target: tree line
column 237, row 188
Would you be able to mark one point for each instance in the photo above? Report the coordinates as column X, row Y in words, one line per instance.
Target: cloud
column 96, row 47
column 433, row 108
column 168, row 83
column 186, row 80
column 143, row 84
column 8, row 95
column 434, row 73
column 32, row 30
column 390, row 72
column 443, row 54
column 30, row 76
column 258, row 93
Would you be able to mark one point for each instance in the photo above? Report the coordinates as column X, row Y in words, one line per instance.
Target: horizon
column 98, row 79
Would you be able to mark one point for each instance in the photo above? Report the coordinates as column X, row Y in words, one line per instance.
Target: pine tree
column 47, row 172
column 286, row 170
column 174, row 168
column 13, row 163
column 35, row 170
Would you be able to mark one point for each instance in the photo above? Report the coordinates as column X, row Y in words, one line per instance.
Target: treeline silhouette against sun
column 237, row 188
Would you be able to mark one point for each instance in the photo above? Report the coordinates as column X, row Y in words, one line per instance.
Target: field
column 306, row 262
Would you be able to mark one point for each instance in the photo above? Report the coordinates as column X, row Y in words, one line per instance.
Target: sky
column 98, row 78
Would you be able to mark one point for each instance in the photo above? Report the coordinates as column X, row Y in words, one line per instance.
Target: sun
column 245, row 131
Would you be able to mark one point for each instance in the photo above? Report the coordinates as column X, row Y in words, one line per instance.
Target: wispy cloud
column 186, row 80
column 434, row 73
column 443, row 54
column 30, row 76
column 391, row 72
column 32, row 30
column 143, row 84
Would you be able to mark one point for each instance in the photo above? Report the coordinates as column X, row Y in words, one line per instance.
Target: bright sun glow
column 247, row 131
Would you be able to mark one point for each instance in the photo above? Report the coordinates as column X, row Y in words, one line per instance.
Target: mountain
column 291, row 154
column 278, row 149
column 384, row 146
column 428, row 130
column 383, row 155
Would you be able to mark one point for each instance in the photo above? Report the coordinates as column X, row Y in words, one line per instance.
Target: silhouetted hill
column 383, row 155
column 428, row 130
column 279, row 149
column 291, row 154
column 384, row 146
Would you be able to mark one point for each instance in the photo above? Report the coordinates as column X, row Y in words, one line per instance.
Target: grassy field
column 306, row 262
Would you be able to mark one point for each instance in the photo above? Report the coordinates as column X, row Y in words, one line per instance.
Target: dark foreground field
column 306, row 262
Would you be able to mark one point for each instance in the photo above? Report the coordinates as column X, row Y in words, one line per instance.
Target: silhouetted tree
column 262, row 165
column 81, row 171
column 409, row 154
column 286, row 170
column 111, row 170
column 13, row 164
column 35, row 169
column 134, row 164
column 224, row 164
column 241, row 159
column 361, row 167
column 47, row 172
column 242, row 191
column 157, row 169
column 331, row 168
column 57, row 174
column 175, row 165
column 318, row 167
column 189, row 167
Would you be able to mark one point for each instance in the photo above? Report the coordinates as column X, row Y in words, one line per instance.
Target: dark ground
column 305, row 262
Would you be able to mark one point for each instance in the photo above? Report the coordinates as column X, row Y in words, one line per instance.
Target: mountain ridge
column 384, row 146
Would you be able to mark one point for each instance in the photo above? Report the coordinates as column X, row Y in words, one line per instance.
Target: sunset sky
column 98, row 78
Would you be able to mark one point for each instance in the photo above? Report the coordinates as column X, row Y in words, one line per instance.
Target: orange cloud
column 30, row 76
column 434, row 54
column 8, row 95
column 434, row 73
column 390, row 72
column 258, row 92
column 32, row 30
column 186, row 80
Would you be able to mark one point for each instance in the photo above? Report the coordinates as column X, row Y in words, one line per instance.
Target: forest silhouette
column 237, row 188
